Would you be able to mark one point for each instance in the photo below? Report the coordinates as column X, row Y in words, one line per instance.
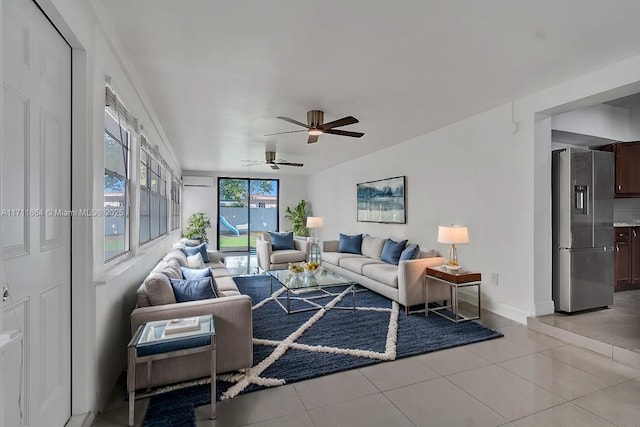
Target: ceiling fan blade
column 274, row 166
column 312, row 139
column 344, row 133
column 295, row 122
column 298, row 165
column 282, row 133
column 349, row 120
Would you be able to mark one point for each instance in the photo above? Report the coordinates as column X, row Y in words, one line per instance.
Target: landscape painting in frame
column 382, row 201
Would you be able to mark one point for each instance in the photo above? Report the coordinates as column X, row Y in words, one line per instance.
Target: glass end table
column 151, row 342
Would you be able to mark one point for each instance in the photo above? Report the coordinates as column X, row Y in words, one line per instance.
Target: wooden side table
column 455, row 280
column 150, row 343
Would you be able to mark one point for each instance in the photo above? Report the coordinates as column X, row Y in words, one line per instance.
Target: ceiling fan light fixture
column 315, row 131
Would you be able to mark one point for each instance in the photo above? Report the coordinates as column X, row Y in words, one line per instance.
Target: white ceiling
column 219, row 72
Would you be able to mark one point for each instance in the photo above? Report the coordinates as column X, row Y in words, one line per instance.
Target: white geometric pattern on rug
column 253, row 375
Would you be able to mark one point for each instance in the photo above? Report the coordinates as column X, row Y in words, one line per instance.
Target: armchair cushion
column 281, row 241
column 193, row 290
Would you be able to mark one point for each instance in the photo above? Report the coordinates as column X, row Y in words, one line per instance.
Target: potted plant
column 197, row 225
column 298, row 217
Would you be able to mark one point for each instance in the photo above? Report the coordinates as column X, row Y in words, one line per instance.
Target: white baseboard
column 500, row 309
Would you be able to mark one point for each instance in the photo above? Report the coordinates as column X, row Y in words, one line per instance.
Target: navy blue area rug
column 295, row 347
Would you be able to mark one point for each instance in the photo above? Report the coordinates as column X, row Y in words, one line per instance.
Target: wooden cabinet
column 627, row 167
column 627, row 258
column 622, row 254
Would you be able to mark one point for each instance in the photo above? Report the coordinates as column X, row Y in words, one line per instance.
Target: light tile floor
column 524, row 379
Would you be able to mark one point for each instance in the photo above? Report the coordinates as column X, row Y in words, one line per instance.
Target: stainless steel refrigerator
column 583, row 258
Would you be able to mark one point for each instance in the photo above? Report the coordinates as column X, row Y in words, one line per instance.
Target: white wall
column 467, row 173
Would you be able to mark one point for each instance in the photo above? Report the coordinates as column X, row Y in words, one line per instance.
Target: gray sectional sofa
column 231, row 310
column 403, row 283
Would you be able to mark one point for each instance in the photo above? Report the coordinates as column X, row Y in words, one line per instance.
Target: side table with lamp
column 452, row 275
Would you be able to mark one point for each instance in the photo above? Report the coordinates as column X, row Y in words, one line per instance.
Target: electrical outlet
column 494, row 279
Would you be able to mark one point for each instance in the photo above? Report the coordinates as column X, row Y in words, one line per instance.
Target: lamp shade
column 314, row 222
column 453, row 234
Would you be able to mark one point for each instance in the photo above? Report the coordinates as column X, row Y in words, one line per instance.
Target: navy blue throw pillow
column 350, row 244
column 201, row 249
column 392, row 250
column 195, row 273
column 192, row 290
column 410, row 252
column 280, row 241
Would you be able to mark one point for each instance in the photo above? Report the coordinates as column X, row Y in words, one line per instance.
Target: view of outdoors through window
column 116, row 183
column 246, row 208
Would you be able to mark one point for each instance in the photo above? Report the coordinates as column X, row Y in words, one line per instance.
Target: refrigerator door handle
column 598, row 249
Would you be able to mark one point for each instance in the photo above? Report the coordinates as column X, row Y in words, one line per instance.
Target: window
column 175, row 203
column 116, row 186
column 153, row 198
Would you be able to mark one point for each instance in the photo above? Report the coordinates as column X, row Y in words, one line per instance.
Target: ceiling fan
column 270, row 159
column 316, row 127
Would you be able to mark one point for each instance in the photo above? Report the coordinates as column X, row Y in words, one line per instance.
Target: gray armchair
column 269, row 259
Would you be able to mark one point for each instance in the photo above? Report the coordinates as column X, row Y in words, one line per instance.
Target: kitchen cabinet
column 627, row 162
column 627, row 258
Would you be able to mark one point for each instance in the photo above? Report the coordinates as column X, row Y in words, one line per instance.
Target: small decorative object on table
column 186, row 324
column 311, row 268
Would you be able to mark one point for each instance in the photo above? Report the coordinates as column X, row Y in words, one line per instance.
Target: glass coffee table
column 308, row 289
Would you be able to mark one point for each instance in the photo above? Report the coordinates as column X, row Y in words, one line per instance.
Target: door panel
column 35, row 185
column 592, row 279
column 603, row 189
column 581, row 200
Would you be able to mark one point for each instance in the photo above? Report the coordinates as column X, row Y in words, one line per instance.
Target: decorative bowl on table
column 296, row 268
column 311, row 268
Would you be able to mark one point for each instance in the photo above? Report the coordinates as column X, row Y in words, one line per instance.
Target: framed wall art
column 382, row 201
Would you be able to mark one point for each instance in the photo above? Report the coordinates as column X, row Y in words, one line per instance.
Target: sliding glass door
column 246, row 207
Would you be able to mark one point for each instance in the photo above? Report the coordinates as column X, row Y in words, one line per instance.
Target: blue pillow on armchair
column 201, row 249
column 392, row 250
column 280, row 241
column 350, row 244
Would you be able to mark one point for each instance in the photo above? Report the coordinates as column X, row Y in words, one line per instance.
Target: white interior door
column 36, row 236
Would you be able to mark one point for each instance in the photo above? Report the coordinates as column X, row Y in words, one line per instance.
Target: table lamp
column 315, row 222
column 453, row 235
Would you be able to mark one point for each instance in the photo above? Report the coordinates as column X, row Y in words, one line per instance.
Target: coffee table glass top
column 322, row 279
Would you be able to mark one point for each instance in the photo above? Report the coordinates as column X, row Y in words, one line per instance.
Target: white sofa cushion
column 335, row 257
column 372, row 246
column 356, row 264
column 382, row 272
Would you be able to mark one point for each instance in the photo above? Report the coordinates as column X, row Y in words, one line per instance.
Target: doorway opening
column 246, row 208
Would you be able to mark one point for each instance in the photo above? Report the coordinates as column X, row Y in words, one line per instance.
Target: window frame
column 125, row 147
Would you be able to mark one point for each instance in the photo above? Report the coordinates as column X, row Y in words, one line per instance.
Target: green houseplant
column 197, row 225
column 298, row 217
